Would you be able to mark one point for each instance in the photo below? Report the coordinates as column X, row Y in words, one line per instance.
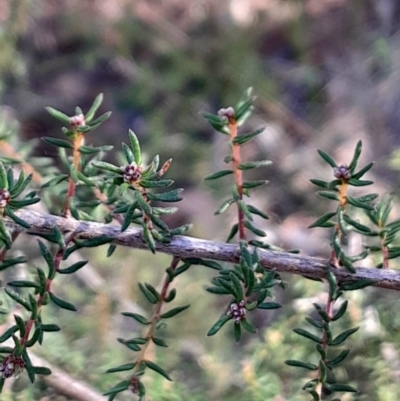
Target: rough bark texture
column 187, row 247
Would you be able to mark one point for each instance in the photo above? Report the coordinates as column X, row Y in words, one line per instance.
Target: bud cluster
column 4, row 197
column 342, row 172
column 134, row 385
column 132, row 173
column 237, row 311
column 227, row 114
column 11, row 366
column 77, row 121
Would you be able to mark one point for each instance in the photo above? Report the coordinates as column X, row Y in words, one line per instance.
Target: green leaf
column 48, row 257
column 313, row 322
column 245, row 109
column 21, row 325
column 61, row 143
column 157, row 368
column 181, row 229
column 340, row 387
column 171, row 196
column 258, row 212
column 299, row 364
column 238, row 287
column 58, row 115
column 319, row 183
column 143, row 204
column 94, row 242
column 218, row 290
column 148, row 237
column 255, row 230
column 357, row 285
column 249, row 327
column 92, row 111
column 107, row 166
column 122, row 368
column 8, row 333
column 111, row 250
column 357, row 153
column 254, row 184
column 6, row 350
column 159, row 341
column 356, row 224
column 228, row 285
column 360, row 173
column 233, row 232
column 61, row 303
column 152, row 297
column 181, row 269
column 173, row 312
column 118, row 388
column 335, row 361
column 245, row 209
column 18, row 204
column 137, row 340
column 128, row 153
column 95, row 123
column 269, row 305
column 323, row 219
column 73, row 268
column 357, row 203
column 156, row 183
column 308, row 335
column 23, row 284
column 20, row 185
column 217, row 326
column 17, row 298
column 327, row 158
column 139, row 318
column 241, row 139
column 171, row 296
column 208, row 263
column 3, row 177
column 255, row 164
column 216, row 122
column 5, row 235
column 218, row 174
column 128, row 216
column 237, row 332
column 328, row 195
column 42, row 370
column 84, row 179
column 359, row 183
column 367, row 198
column 89, row 150
column 135, row 147
column 55, row 181
column 50, row 327
column 8, row 211
column 342, row 337
column 28, row 366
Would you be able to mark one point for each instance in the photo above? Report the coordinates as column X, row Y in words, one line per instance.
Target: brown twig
column 187, row 247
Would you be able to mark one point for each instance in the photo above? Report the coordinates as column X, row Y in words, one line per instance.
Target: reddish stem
column 232, row 126
column 156, row 313
column 78, row 139
column 57, row 262
column 324, row 342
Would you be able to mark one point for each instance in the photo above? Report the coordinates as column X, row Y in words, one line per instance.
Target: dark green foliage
column 134, row 194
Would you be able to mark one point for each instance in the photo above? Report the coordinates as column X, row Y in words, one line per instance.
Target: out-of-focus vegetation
column 326, row 74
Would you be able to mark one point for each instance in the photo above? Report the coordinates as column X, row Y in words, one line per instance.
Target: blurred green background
column 326, row 73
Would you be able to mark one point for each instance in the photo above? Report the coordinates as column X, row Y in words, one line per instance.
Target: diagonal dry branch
column 188, row 247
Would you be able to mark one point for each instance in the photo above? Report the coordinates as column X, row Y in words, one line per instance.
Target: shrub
column 247, row 269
